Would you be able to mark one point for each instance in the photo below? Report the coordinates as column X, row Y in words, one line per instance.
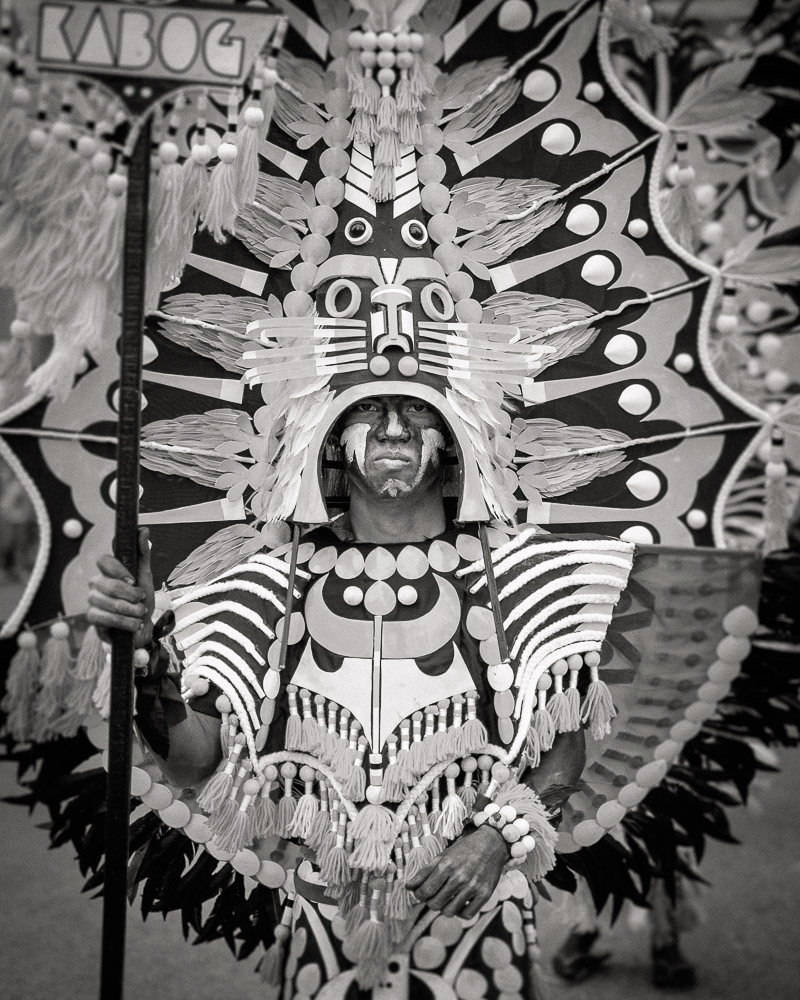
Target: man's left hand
column 464, row 876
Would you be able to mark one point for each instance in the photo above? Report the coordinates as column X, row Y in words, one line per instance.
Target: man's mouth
column 391, row 461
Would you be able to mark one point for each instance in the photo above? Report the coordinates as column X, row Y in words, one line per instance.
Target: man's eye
column 419, row 408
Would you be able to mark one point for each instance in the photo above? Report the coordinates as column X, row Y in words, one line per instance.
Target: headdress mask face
column 384, row 326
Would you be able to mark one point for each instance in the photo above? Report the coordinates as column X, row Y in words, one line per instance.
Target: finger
column 458, row 903
column 109, row 566
column 422, row 874
column 116, row 606
column 106, row 619
column 116, row 588
column 448, row 891
column 436, row 878
column 474, row 905
column 144, row 549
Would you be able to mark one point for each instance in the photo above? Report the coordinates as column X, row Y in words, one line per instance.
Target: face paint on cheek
column 354, row 441
column 432, row 443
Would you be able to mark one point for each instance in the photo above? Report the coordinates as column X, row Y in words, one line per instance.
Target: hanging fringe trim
column 598, row 707
column 21, row 685
column 54, row 679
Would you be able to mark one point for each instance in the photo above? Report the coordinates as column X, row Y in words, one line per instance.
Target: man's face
column 392, row 445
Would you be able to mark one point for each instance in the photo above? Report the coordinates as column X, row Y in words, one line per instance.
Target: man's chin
column 394, row 488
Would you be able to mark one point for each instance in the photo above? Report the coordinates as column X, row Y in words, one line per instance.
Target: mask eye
column 358, row 231
column 343, row 299
column 437, row 302
column 414, row 233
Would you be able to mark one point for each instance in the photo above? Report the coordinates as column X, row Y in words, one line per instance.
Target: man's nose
column 393, row 427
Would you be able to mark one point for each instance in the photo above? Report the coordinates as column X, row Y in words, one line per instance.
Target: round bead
column 684, row 731
column 510, row 833
column 669, row 750
column 593, row 91
column 500, row 676
column 72, row 528
column 177, row 814
column 408, row 366
column 227, row 152
column 386, row 60
column 140, row 781
column 353, row 596
column 610, row 813
column 157, row 797
column 638, row 228
column 583, row 220
column 700, row 711
column 733, row 648
column 631, row 795
column 587, row 832
column 407, row 595
column 559, row 139
column 368, row 59
column 696, row 519
column 59, row 630
column 723, row 672
column 374, row 794
column 430, row 169
column 141, row 658
column 380, row 365
column 651, row 774
column 508, row 813
column 515, row 15
column 598, row 269
column 491, row 809
column 386, row 77
column 712, row 692
column 26, row 640
column 116, row 184
column 540, row 85
column 500, row 772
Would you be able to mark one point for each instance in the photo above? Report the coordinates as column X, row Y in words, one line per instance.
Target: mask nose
column 392, row 322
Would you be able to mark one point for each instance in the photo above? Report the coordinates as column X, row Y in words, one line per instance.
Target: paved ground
column 748, row 949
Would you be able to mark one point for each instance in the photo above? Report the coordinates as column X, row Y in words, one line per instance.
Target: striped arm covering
column 557, row 598
column 226, row 629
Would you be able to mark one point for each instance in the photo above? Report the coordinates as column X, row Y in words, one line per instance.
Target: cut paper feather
column 540, row 438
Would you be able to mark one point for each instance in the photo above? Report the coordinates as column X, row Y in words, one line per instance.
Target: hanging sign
column 176, row 43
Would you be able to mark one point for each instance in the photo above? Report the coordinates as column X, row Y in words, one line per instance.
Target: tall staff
column 138, row 60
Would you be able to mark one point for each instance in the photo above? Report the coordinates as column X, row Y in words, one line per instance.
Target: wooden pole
column 115, row 892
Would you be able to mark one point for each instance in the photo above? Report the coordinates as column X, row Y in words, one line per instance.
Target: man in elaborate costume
column 416, row 662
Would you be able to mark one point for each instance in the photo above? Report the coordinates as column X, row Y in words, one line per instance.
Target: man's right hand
column 115, row 600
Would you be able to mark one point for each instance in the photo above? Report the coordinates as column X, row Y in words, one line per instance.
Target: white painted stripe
column 362, row 162
column 406, row 183
column 359, row 199
column 406, row 202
